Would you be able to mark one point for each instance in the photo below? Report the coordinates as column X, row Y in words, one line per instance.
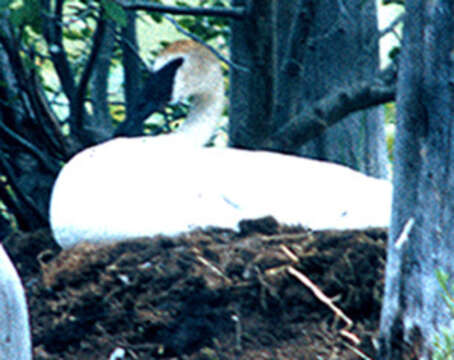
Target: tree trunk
column 15, row 340
column 101, row 121
column 423, row 204
column 342, row 47
column 252, row 85
column 131, row 64
column 306, row 50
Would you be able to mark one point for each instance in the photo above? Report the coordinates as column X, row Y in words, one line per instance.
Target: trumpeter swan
column 134, row 187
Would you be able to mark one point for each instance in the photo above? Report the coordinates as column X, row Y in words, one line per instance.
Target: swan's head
column 183, row 69
column 199, row 75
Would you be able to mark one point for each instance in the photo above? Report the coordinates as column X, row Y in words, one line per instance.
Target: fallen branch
column 320, row 295
column 289, row 253
column 213, row 269
column 357, row 351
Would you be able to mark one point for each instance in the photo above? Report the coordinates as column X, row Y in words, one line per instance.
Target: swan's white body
column 134, row 187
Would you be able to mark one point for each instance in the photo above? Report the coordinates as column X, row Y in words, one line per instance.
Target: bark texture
column 423, row 202
column 308, row 50
column 342, row 47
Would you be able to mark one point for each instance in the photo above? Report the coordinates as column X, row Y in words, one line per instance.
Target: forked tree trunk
column 15, row 341
column 423, row 202
column 306, row 50
column 342, row 47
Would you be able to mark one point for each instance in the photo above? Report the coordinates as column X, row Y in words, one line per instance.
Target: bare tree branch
column 333, row 108
column 25, row 199
column 9, row 44
column 133, row 48
column 51, row 123
column 77, row 106
column 131, row 63
column 235, row 13
column 99, row 94
column 54, row 37
column 47, row 162
column 391, row 27
column 32, row 104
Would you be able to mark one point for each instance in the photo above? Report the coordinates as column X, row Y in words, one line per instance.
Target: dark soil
column 215, row 294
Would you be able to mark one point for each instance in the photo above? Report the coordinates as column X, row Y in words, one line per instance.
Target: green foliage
column 448, row 292
column 444, row 346
column 444, row 342
column 29, row 13
column 114, row 12
column 4, row 4
column 79, row 23
column 390, row 121
column 207, row 28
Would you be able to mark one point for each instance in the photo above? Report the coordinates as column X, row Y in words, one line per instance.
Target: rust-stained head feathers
column 200, row 73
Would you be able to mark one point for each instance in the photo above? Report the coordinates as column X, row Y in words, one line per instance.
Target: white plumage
column 133, row 187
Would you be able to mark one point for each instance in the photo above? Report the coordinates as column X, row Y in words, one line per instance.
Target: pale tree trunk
column 423, row 203
column 306, row 50
column 15, row 341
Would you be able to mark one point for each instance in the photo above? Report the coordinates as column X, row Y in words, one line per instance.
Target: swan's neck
column 202, row 119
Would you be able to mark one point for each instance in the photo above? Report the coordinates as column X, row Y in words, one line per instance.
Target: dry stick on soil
column 320, row 295
column 350, row 336
column 289, row 253
column 213, row 268
column 357, row 351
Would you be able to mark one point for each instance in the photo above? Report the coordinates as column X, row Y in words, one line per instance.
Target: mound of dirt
column 265, row 292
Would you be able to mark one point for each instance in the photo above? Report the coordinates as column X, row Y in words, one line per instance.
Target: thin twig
column 53, row 34
column 78, row 107
column 350, row 336
column 289, row 253
column 9, row 172
column 391, row 27
column 235, row 13
column 344, row 11
column 131, row 47
column 45, row 161
column 203, row 43
column 298, row 35
column 320, row 295
column 404, row 235
column 213, row 268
